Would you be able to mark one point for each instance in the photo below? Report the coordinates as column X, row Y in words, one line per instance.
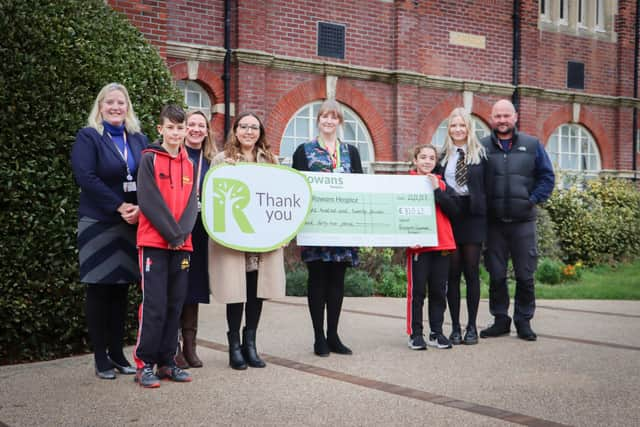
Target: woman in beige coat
column 242, row 280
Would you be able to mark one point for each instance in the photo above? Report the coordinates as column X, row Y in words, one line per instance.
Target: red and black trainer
column 173, row 373
column 146, row 378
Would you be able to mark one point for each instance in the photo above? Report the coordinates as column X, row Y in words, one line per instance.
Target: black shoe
column 336, row 346
column 456, row 336
column 416, row 342
column 107, row 374
column 123, row 369
column 501, row 326
column 525, row 332
column 249, row 351
column 470, row 335
column 321, row 347
column 236, row 359
column 437, row 340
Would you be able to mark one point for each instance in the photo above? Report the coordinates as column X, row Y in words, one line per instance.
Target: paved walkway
column 583, row 370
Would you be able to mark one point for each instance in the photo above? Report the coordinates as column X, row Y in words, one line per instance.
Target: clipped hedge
column 56, row 55
column 599, row 223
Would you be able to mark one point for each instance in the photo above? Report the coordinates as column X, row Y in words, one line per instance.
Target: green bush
column 599, row 223
column 547, row 235
column 549, row 271
column 392, row 283
column 297, row 282
column 357, row 283
column 56, row 55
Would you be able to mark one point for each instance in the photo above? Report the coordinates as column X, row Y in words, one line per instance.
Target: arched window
column 195, row 96
column 573, row 151
column 302, row 128
column 438, row 138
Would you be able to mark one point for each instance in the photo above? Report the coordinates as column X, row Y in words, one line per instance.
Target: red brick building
column 401, row 66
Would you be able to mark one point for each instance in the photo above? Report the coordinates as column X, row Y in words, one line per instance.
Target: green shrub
column 599, row 223
column 56, row 55
column 549, row 271
column 357, row 283
column 297, row 282
column 392, row 283
column 547, row 235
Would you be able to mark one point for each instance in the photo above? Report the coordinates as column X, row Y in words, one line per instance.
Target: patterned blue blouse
column 314, row 157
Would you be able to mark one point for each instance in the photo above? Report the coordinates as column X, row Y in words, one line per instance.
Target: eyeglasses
column 246, row 127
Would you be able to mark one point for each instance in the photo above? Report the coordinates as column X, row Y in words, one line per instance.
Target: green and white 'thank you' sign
column 254, row 207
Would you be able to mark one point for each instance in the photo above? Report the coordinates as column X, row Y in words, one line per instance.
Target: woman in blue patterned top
column 327, row 265
column 105, row 158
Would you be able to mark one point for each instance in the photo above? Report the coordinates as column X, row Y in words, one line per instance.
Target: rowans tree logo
column 254, row 207
column 231, row 197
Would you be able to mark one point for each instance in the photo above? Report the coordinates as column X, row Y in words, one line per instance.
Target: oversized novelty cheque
column 369, row 210
column 259, row 207
column 254, row 207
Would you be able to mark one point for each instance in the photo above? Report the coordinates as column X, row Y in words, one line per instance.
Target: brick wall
column 401, row 35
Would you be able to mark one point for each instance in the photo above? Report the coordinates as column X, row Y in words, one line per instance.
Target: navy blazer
column 100, row 171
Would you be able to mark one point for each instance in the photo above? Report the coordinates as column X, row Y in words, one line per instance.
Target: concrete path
column 584, row 370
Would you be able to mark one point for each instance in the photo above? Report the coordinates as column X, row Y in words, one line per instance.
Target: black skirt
column 468, row 228
column 198, row 290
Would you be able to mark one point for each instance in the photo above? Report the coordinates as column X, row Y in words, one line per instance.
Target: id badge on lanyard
column 129, row 186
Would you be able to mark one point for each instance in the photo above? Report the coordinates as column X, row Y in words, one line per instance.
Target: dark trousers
column 325, row 289
column 252, row 308
column 427, row 271
column 164, row 288
column 106, row 312
column 518, row 241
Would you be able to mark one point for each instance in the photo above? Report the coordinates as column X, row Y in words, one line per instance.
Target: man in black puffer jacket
column 519, row 175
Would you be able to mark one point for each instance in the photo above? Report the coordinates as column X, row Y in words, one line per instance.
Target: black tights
column 253, row 307
column 465, row 260
column 106, row 312
column 325, row 288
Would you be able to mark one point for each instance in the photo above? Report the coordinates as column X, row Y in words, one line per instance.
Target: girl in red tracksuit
column 428, row 267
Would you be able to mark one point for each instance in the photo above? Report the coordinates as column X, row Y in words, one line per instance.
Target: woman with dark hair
column 463, row 163
column 201, row 148
column 105, row 159
column 242, row 280
column 327, row 265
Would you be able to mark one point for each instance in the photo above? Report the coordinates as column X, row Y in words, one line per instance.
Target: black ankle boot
column 236, row 360
column 336, row 346
column 249, row 349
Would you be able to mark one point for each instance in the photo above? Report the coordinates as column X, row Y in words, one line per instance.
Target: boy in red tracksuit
column 428, row 267
column 168, row 209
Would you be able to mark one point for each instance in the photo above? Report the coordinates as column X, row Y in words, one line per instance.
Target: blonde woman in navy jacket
column 105, row 158
column 470, row 225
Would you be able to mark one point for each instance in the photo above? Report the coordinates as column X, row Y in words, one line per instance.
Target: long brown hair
column 209, row 148
column 262, row 147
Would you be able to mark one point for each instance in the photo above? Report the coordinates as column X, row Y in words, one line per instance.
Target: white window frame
column 566, row 144
column 581, row 14
column 599, row 16
column 191, row 87
column 544, row 10
column 307, row 116
column 563, row 12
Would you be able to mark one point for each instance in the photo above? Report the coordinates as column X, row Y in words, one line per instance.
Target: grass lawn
column 621, row 282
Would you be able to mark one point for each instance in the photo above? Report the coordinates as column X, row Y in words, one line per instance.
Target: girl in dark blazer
column 105, row 158
column 463, row 163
